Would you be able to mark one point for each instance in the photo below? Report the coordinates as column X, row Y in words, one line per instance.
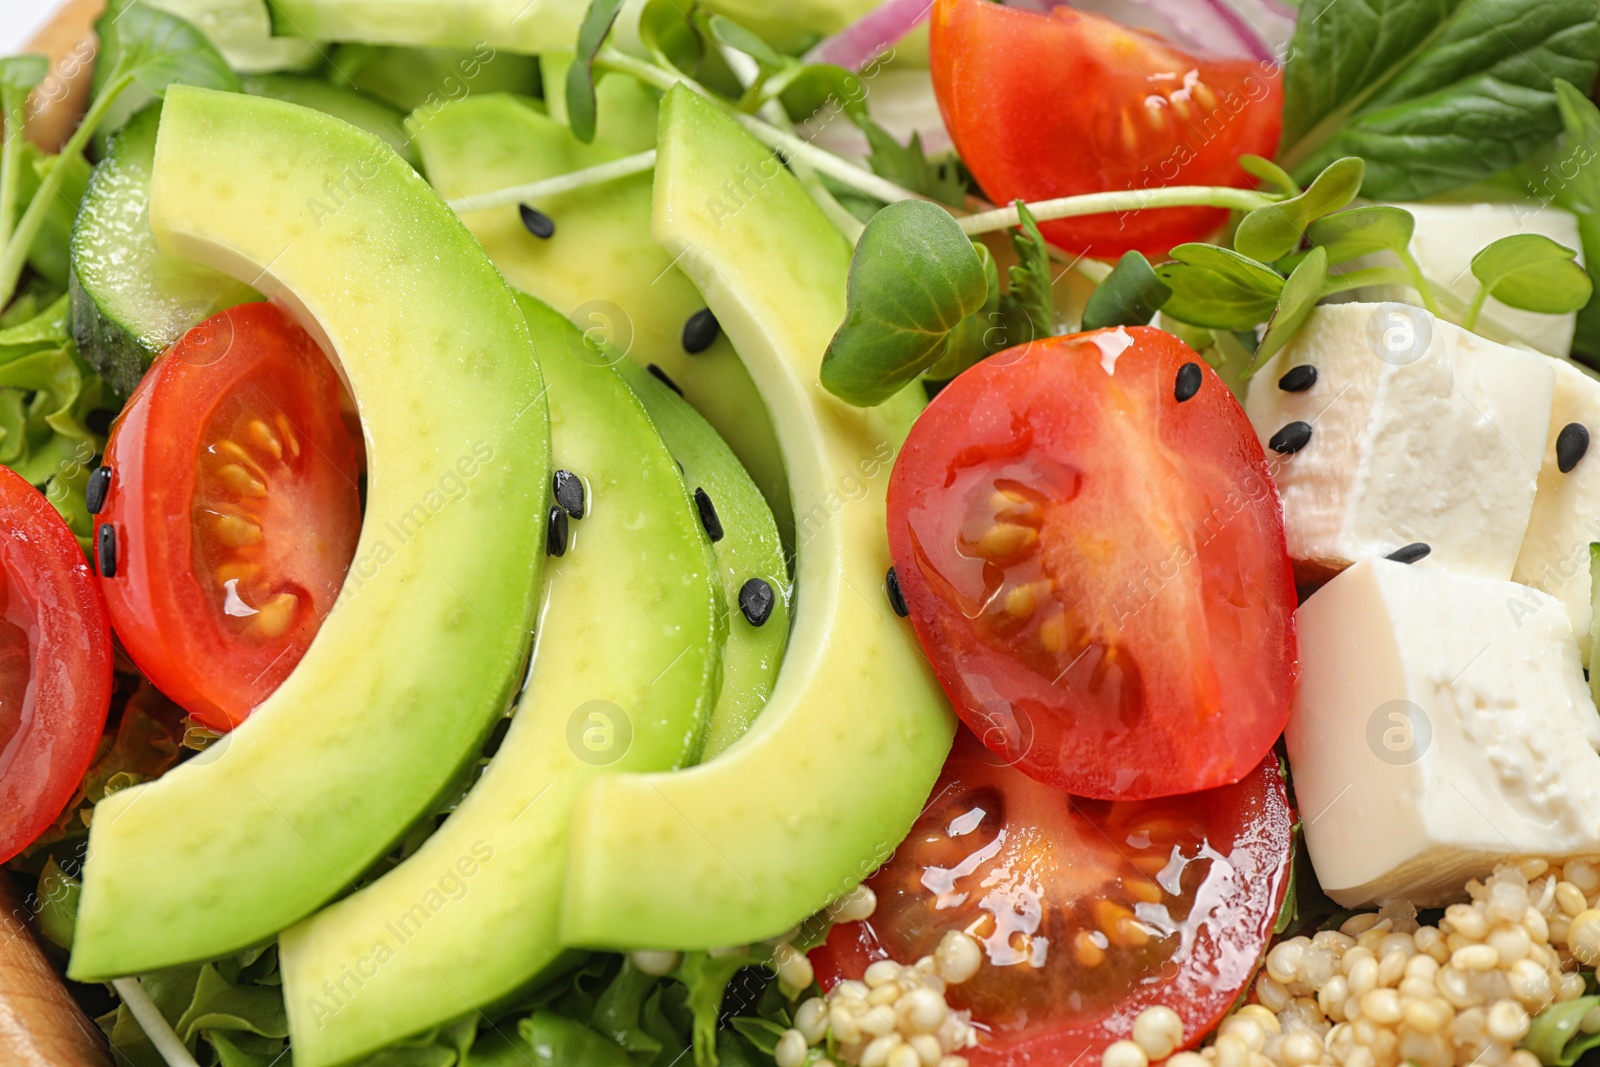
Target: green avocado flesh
column 356, row 108
column 130, row 301
column 624, row 676
column 601, row 268
column 749, row 548
column 839, row 763
column 528, row 26
column 426, row 79
column 428, row 640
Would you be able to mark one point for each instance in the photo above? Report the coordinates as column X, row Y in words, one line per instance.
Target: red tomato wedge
column 55, row 664
column 1088, row 911
column 1097, row 570
column 234, row 511
column 1044, row 106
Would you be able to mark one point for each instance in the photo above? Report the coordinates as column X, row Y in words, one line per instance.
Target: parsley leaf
column 908, row 165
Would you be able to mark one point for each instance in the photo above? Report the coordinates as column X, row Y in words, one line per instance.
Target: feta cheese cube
column 1419, row 431
column 1441, row 726
column 1566, row 511
column 1449, row 235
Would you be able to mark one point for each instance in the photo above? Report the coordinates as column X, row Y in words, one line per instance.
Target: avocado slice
column 749, row 550
column 623, row 678
column 356, row 108
column 837, row 767
column 601, row 267
column 527, row 26
column 429, row 637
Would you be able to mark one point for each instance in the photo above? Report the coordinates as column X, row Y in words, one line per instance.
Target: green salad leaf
column 913, row 279
column 1576, row 187
column 1130, row 295
column 1300, row 294
column 1361, row 231
column 974, row 336
column 1028, row 310
column 904, row 164
column 728, row 32
column 1274, row 177
column 235, row 1004
column 1272, row 232
column 1531, row 272
column 1555, row 1037
column 592, row 33
column 1219, row 288
column 1433, row 94
column 156, row 49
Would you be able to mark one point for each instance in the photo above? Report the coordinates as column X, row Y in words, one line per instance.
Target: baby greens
column 1129, row 296
column 1531, row 272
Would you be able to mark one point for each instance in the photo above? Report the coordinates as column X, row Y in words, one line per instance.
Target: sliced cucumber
column 749, row 549
column 355, row 107
column 130, row 300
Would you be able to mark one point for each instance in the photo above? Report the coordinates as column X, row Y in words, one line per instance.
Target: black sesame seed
column 99, row 421
column 1411, row 553
column 700, row 332
column 555, row 538
column 1571, row 443
column 1189, row 379
column 538, row 223
column 569, row 494
column 105, row 550
column 897, row 599
column 663, row 377
column 94, row 494
column 1298, row 379
column 756, row 600
column 1291, row 439
column 708, row 515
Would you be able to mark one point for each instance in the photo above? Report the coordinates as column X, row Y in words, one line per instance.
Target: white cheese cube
column 1419, row 432
column 1566, row 512
column 1445, row 240
column 1441, row 726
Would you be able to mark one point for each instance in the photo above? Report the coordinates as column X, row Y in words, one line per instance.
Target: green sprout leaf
column 1028, row 310
column 973, row 337
column 23, row 72
column 670, row 38
column 913, row 279
column 907, row 165
column 1531, row 272
column 1130, row 295
column 807, row 88
column 1272, row 232
column 1273, row 176
column 728, row 32
column 1361, row 231
column 1299, row 297
column 1219, row 288
column 592, row 33
column 156, row 49
column 1555, row 1036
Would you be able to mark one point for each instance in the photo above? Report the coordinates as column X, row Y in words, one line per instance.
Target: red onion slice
column 855, row 46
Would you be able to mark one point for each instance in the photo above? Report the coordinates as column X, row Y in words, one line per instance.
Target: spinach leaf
column 1028, row 309
column 1300, row 294
column 1579, row 192
column 1433, row 94
column 1130, row 295
column 1531, row 272
column 1219, row 288
column 592, row 33
column 1272, row 232
column 906, row 164
column 1554, row 1036
column 914, row 277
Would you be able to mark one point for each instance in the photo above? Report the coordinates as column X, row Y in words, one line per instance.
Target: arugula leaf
column 1129, row 296
column 1555, row 1037
column 1272, row 232
column 1028, row 309
column 1433, row 94
column 592, row 33
column 1531, row 272
column 907, row 164
column 913, row 279
column 1219, row 288
column 1300, row 294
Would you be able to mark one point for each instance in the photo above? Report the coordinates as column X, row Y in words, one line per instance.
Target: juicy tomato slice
column 1088, row 911
column 1097, row 571
column 55, row 664
column 1043, row 106
column 235, row 510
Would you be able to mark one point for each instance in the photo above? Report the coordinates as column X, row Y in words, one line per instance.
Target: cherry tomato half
column 235, row 511
column 1097, row 570
column 1044, row 106
column 55, row 664
column 1088, row 911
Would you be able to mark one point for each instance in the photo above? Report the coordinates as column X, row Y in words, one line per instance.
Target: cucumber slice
column 749, row 549
column 356, row 108
column 130, row 300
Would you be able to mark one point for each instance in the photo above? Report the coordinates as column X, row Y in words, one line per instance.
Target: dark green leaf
column 726, row 31
column 817, row 93
column 1575, row 186
column 913, row 278
column 669, row 36
column 1555, row 1037
column 50, row 252
column 592, row 33
column 905, row 164
column 1130, row 295
column 57, row 909
column 556, row 1041
column 22, row 73
column 1362, row 231
column 1531, row 272
column 1272, row 232
column 1218, row 288
column 157, row 49
column 706, row 977
column 1275, row 178
column 975, row 337
column 1027, row 310
column 1300, row 295
column 762, row 1034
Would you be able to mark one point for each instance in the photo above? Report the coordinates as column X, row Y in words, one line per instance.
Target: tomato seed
column 708, row 515
column 756, row 600
column 1411, row 553
column 897, row 599
column 1189, row 381
column 538, row 223
column 700, row 332
column 664, row 379
column 555, row 541
column 94, row 494
column 1571, row 444
column 105, row 550
column 568, row 490
column 1298, row 379
column 1291, row 439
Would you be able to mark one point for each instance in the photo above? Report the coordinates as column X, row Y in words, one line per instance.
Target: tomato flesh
column 236, row 506
column 1044, row 106
column 55, row 664
column 1087, row 911
column 1097, row 571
